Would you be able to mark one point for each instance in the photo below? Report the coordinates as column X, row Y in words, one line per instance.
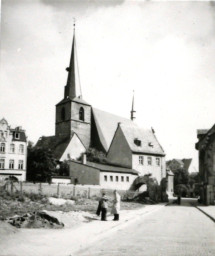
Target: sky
column 164, row 51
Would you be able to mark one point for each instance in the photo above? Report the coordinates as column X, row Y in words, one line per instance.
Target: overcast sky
column 165, row 51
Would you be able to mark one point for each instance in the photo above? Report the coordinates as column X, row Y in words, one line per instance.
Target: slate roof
column 57, row 146
column 149, row 142
column 111, row 168
column 106, row 124
column 22, row 135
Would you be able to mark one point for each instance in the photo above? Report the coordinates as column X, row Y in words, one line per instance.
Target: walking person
column 116, row 205
column 103, row 206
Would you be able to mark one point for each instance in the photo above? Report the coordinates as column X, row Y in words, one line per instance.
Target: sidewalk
column 208, row 210
column 66, row 242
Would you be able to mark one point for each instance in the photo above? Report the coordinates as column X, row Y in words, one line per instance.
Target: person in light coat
column 116, row 205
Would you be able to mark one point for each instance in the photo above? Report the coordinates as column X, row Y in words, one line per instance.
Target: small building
column 13, row 151
column 105, row 175
column 206, row 148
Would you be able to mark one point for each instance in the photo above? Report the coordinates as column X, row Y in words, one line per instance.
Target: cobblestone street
column 174, row 230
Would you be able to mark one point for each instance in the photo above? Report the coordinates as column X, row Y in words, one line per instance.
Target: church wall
column 82, row 128
column 62, row 127
column 85, row 175
column 119, row 152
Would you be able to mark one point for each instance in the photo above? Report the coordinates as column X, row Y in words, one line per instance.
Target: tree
column 40, row 164
column 64, row 169
column 93, row 155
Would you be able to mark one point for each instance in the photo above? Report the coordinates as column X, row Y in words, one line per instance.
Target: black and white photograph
column 107, row 128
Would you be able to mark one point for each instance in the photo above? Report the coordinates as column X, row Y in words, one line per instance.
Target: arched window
column 81, row 114
column 63, row 114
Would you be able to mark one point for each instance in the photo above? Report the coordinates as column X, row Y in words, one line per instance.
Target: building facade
column 206, row 149
column 13, row 152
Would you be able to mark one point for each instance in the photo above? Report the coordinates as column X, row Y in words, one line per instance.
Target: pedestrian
column 102, row 207
column 116, row 205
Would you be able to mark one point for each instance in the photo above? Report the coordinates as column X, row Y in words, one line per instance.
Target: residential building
column 206, row 148
column 13, row 151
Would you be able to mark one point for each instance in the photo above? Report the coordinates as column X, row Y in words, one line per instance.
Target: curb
column 209, row 216
column 108, row 231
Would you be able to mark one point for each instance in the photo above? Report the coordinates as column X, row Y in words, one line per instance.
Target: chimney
column 84, row 159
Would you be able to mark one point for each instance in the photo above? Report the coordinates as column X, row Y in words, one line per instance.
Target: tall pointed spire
column 70, row 88
column 132, row 109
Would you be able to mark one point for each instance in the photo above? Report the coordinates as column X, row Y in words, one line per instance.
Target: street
column 174, row 230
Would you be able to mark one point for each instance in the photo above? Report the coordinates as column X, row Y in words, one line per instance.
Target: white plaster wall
column 61, row 181
column 170, row 186
column 16, row 156
column 74, row 149
column 114, row 184
column 157, row 172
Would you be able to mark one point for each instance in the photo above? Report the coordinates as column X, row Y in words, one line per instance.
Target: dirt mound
column 35, row 220
column 6, row 229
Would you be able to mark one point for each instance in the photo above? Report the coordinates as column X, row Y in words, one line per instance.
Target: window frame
column 122, row 178
column 105, row 178
column 2, row 147
column 127, row 178
column 2, row 163
column 21, row 165
column 158, row 161
column 11, row 164
column 111, row 178
column 149, row 160
column 141, row 160
column 81, row 114
column 21, row 149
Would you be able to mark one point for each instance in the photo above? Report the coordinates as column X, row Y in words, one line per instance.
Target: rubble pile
column 38, row 219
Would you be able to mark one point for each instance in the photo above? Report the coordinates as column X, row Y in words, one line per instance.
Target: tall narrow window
column 157, row 161
column 2, row 147
column 1, row 163
column 117, row 178
column 149, row 160
column 20, row 166
column 21, row 149
column 111, row 178
column 11, row 164
column 141, row 160
column 127, row 178
column 81, row 114
column 17, row 136
column 105, row 177
column 12, row 148
column 63, row 114
column 122, row 178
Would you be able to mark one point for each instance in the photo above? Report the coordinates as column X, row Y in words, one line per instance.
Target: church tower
column 73, row 114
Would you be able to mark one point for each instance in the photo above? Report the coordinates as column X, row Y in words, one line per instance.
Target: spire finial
column 132, row 108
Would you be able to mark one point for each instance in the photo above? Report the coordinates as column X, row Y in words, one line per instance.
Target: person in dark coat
column 102, row 207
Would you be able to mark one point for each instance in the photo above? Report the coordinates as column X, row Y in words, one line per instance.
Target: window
column 1, row 163
column 20, row 166
column 5, row 134
column 81, row 114
column 21, row 149
column 63, row 114
column 158, row 161
column 2, row 147
column 11, row 164
column 149, row 159
column 16, row 135
column 117, row 178
column 122, row 178
column 141, row 160
column 137, row 142
column 127, row 179
column 105, row 177
column 111, row 178
column 12, row 148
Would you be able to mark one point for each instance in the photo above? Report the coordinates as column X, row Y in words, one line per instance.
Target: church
column 131, row 151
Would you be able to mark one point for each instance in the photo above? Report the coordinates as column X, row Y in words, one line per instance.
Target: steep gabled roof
column 187, row 163
column 56, row 145
column 148, row 141
column 106, row 124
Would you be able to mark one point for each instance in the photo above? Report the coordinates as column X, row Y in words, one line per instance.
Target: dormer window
column 81, row 114
column 17, row 135
column 150, row 144
column 137, row 142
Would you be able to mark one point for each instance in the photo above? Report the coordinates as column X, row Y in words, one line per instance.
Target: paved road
column 173, row 231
